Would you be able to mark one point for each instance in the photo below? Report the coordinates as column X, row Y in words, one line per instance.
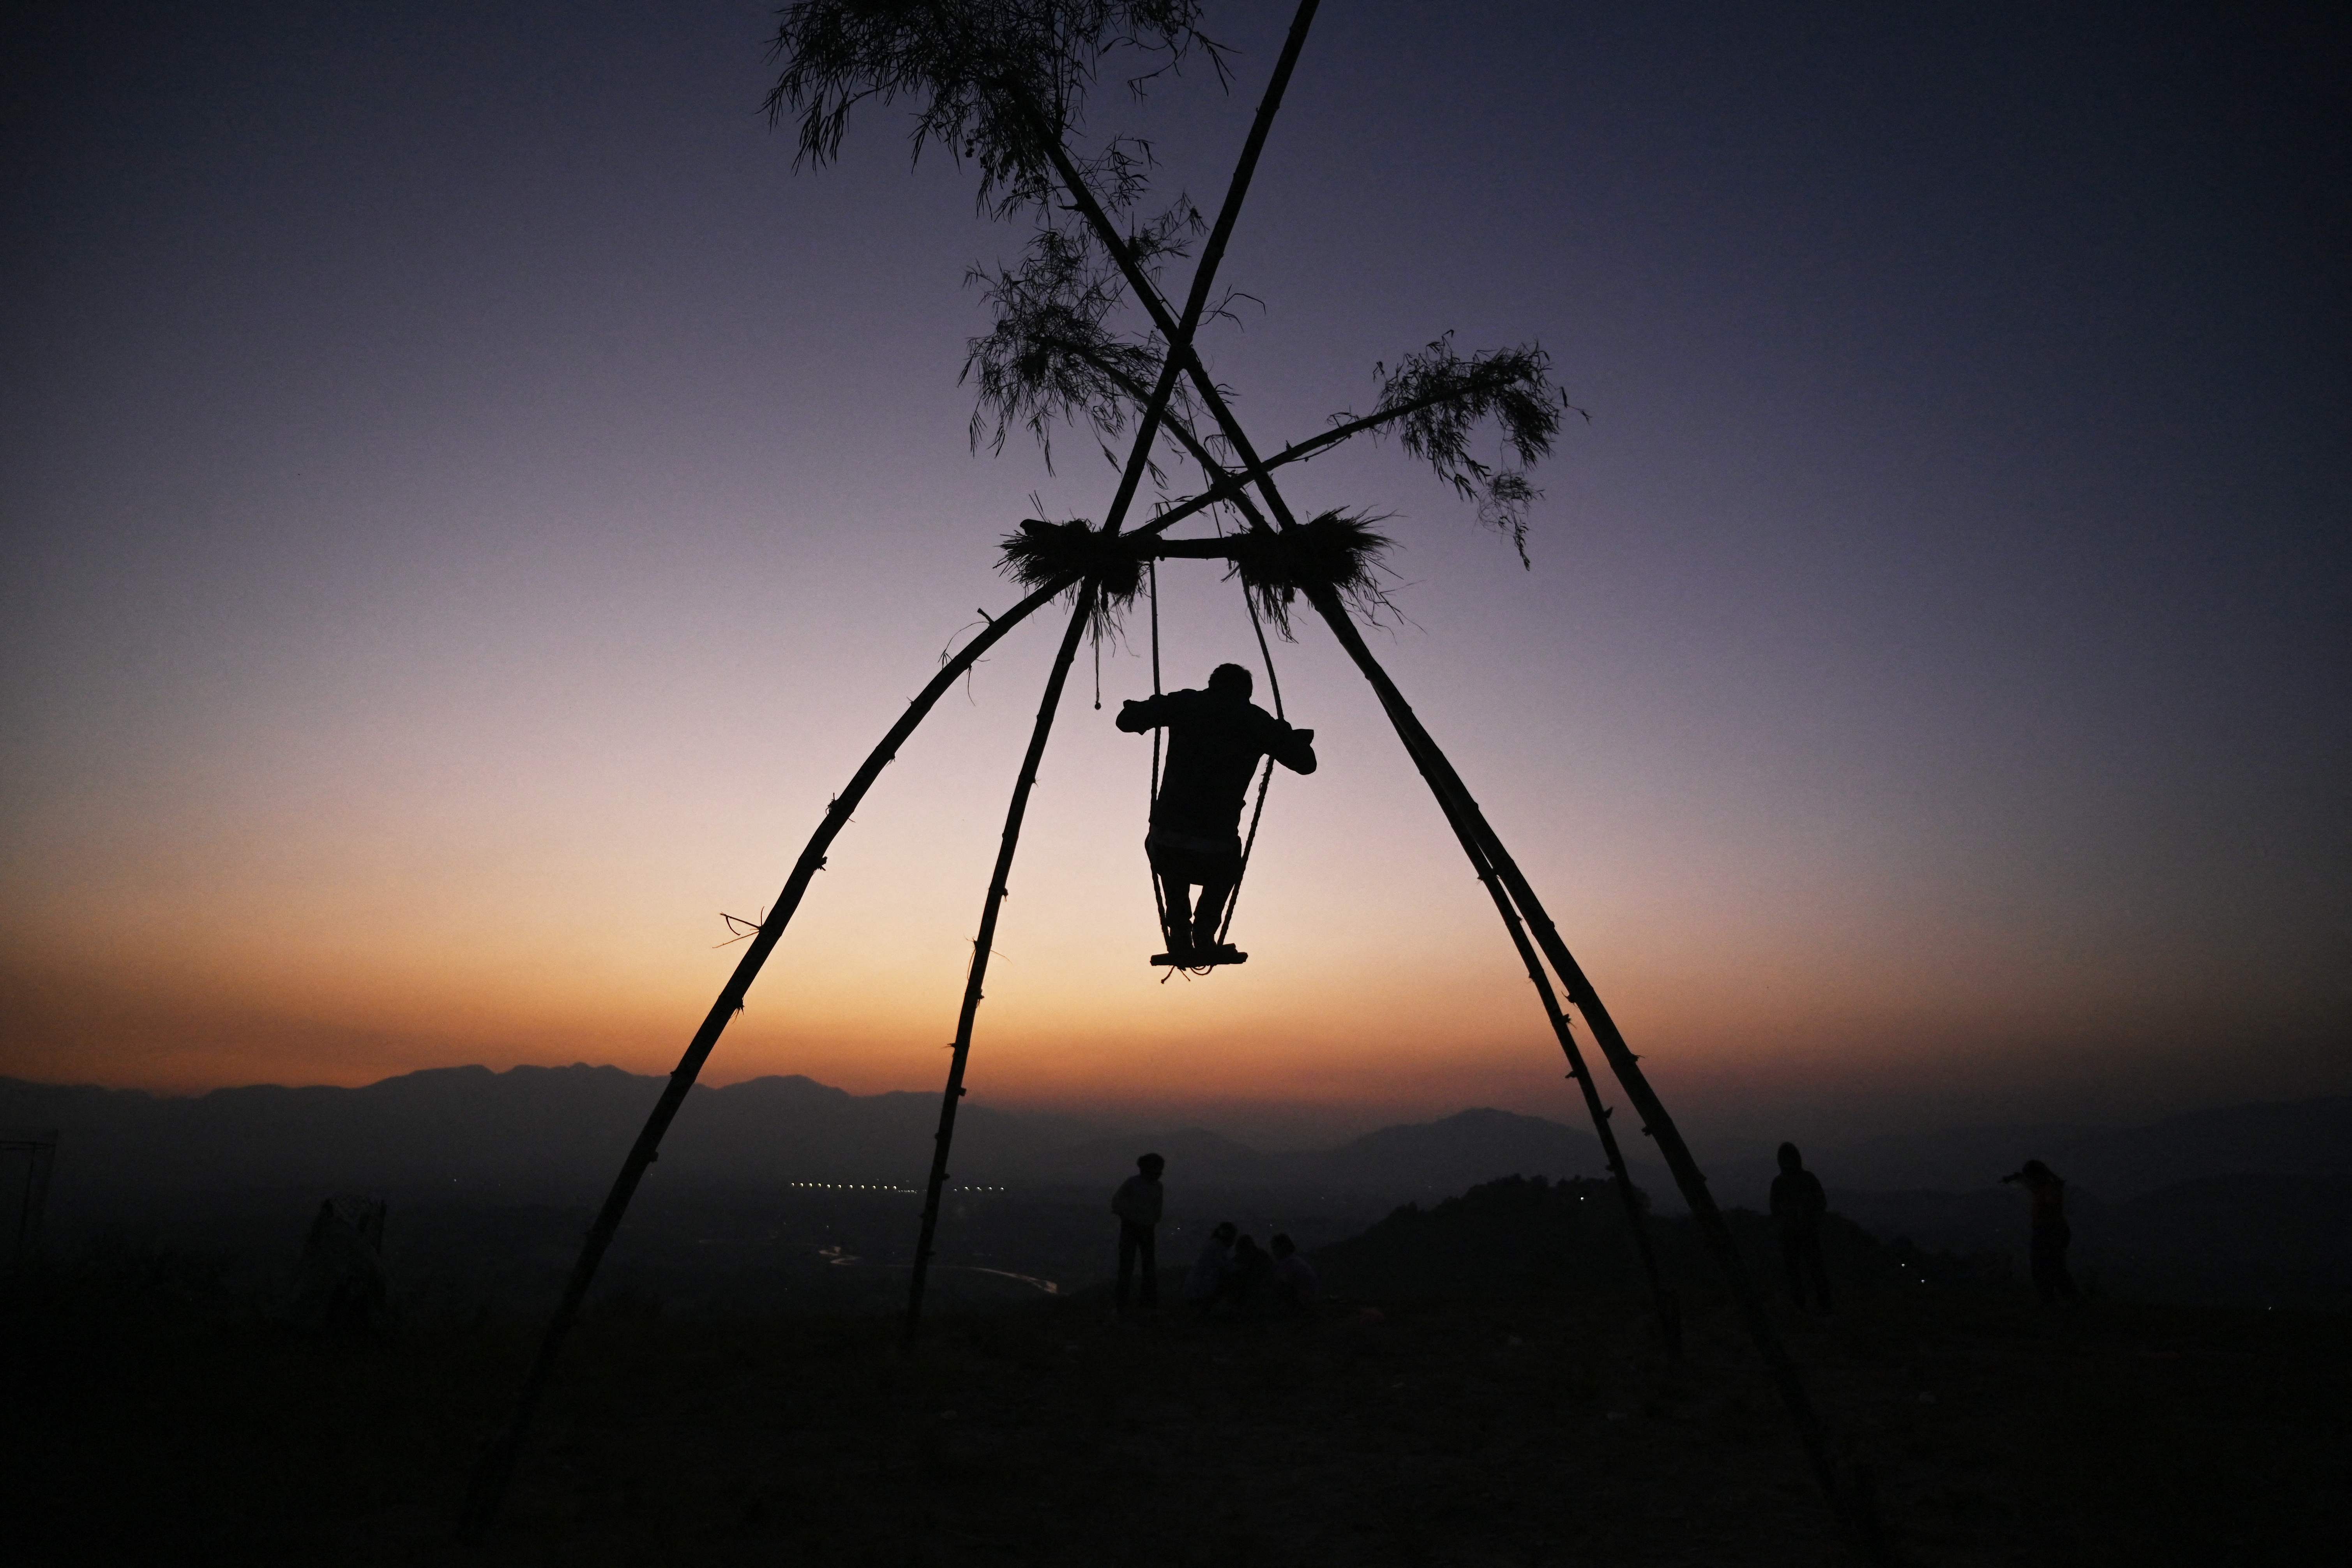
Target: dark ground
column 149, row 1423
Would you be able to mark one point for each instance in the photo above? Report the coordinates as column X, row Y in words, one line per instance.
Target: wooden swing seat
column 1222, row 954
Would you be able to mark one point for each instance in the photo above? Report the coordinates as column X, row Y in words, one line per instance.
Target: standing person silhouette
column 2050, row 1232
column 1139, row 1203
column 1214, row 740
column 1797, row 1206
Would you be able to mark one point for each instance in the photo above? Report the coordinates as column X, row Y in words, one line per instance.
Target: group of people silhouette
column 1233, row 1273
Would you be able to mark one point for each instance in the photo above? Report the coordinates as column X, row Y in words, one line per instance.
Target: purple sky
column 470, row 504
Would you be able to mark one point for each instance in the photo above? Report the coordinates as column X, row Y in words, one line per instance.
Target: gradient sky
column 469, row 504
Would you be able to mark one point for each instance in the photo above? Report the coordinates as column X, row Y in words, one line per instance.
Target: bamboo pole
column 1656, row 1123
column 1664, row 1302
column 978, row 977
column 488, row 1485
column 1448, row 788
column 1668, row 1309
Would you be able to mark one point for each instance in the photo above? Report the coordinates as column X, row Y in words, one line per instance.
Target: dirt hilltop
column 1537, row 1425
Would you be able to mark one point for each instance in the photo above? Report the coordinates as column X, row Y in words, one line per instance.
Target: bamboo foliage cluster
column 993, row 79
column 1005, row 87
column 1052, row 358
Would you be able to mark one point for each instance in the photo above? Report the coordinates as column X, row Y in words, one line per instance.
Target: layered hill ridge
column 557, row 1134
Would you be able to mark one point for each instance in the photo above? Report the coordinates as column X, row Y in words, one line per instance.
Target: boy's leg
column 1147, row 1246
column 1127, row 1268
column 1176, row 895
column 1210, row 913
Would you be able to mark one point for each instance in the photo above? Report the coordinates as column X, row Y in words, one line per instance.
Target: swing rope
column 1274, row 684
column 1158, row 898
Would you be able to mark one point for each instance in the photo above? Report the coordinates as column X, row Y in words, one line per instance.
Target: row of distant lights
column 876, row 1187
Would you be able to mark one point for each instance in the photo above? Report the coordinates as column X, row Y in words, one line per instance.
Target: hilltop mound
column 1524, row 1234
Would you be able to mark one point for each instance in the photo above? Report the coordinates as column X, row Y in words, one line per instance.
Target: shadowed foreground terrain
column 152, row 1422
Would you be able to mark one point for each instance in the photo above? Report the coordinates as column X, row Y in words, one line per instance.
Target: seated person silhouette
column 1214, row 740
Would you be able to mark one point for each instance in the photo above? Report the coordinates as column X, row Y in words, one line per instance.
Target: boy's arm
column 1141, row 714
column 1292, row 747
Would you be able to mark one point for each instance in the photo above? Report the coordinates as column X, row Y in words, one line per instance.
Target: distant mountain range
column 2252, row 1203
column 557, row 1134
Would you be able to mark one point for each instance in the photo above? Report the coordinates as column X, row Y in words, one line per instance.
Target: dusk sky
column 470, row 504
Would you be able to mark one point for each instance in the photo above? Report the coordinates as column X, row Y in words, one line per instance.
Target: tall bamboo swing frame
column 1247, row 485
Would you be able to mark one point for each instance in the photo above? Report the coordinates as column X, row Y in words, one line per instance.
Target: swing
column 1221, row 952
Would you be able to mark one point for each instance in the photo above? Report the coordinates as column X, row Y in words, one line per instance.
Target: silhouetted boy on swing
column 1214, row 740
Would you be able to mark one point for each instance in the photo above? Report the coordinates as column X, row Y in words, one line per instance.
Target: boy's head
column 1150, row 1165
column 1789, row 1159
column 1231, row 680
column 1225, row 1232
column 1283, row 1246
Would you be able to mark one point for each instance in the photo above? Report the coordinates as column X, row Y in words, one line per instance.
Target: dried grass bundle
column 1333, row 550
column 1040, row 552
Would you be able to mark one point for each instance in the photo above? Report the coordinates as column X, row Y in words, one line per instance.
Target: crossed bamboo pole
column 1514, row 899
